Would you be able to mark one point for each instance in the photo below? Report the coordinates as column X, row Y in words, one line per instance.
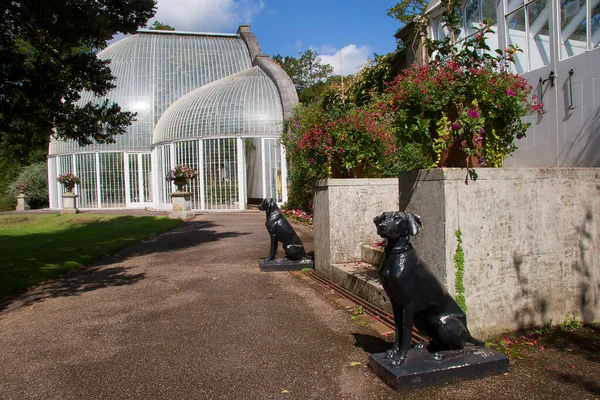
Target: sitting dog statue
column 280, row 230
column 417, row 296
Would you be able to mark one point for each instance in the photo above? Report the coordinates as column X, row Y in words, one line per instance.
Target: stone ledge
column 283, row 264
column 361, row 279
column 372, row 254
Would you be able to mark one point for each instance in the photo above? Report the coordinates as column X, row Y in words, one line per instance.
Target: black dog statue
column 280, row 230
column 417, row 296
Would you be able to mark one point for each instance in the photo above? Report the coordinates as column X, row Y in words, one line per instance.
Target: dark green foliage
column 307, row 73
column 36, row 178
column 48, row 57
column 158, row 26
column 406, row 10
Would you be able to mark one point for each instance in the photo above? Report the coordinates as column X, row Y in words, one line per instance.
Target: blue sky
column 356, row 27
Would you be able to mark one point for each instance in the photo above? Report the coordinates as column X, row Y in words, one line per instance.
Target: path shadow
column 187, row 235
column 73, row 284
column 585, row 384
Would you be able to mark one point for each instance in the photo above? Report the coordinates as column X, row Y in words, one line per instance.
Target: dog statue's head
column 269, row 204
column 395, row 224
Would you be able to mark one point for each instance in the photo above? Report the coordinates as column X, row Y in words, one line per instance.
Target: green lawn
column 34, row 248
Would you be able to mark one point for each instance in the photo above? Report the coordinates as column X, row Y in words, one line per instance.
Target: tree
column 48, row 58
column 158, row 26
column 307, row 73
column 406, row 10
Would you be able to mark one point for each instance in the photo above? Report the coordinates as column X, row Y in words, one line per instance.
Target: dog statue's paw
column 391, row 354
column 268, row 258
column 397, row 361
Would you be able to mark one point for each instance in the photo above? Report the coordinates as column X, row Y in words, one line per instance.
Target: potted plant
column 464, row 108
column 181, row 175
column 68, row 180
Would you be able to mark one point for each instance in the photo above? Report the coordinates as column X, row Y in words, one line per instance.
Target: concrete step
column 361, row 279
column 372, row 254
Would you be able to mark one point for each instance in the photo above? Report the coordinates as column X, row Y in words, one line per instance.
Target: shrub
column 35, row 176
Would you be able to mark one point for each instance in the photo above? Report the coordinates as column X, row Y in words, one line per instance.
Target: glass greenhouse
column 209, row 101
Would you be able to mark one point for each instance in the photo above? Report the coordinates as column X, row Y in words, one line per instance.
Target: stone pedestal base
column 182, row 206
column 283, row 264
column 421, row 369
column 69, row 204
column 22, row 203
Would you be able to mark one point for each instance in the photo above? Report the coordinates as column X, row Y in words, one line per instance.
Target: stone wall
column 343, row 217
column 531, row 237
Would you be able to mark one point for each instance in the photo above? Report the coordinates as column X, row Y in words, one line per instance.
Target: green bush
column 36, row 178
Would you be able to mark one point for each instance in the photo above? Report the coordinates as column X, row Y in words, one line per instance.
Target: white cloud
column 206, row 15
column 353, row 58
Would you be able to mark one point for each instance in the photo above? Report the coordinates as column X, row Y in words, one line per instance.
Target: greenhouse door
column 138, row 191
column 274, row 179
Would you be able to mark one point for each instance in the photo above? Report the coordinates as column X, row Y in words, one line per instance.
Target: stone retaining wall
column 531, row 237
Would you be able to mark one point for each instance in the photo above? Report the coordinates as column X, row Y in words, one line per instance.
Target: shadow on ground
column 187, row 235
column 72, row 284
column 371, row 344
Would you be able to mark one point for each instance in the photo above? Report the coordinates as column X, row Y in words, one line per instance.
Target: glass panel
column 488, row 8
column 86, row 171
column 539, row 34
column 573, row 28
column 112, row 180
column 147, row 177
column 595, row 26
column 441, row 31
column 220, row 174
column 186, row 153
column 513, row 5
column 65, row 164
column 472, row 16
column 460, row 32
column 516, row 36
column 273, row 169
column 164, row 166
column 134, row 184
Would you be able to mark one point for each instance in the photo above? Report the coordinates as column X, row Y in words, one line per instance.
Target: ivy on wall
column 459, row 264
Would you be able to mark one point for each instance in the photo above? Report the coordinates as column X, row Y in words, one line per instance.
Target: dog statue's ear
column 414, row 223
column 377, row 220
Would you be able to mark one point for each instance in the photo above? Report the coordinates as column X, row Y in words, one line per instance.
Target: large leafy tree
column 47, row 59
column 307, row 73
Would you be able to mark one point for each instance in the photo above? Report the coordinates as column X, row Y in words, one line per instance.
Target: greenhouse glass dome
column 209, row 101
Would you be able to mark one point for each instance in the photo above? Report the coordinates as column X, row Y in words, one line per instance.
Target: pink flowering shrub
column 356, row 144
column 298, row 215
